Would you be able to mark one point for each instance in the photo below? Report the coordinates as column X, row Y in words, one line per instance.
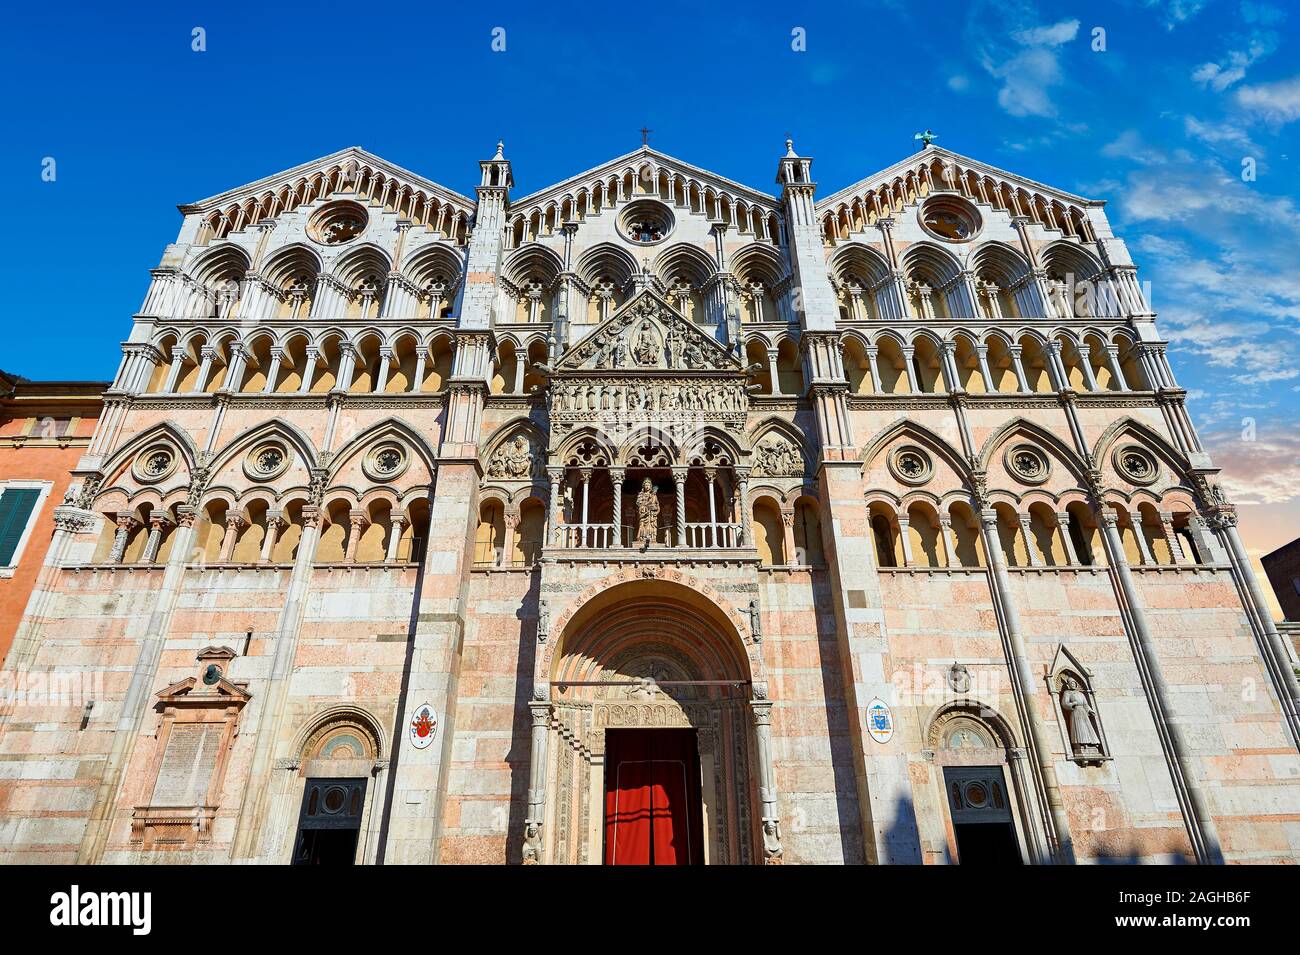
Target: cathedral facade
column 649, row 517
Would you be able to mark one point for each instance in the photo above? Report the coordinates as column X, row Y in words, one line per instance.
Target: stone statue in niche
column 959, row 678
column 647, row 514
column 777, row 458
column 514, row 460
column 1081, row 719
column 645, row 347
column 543, row 620
column 755, row 621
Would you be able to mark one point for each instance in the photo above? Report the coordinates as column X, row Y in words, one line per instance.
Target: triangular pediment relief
column 647, row 336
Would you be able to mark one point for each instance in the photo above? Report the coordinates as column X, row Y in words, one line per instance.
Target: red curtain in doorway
column 652, row 798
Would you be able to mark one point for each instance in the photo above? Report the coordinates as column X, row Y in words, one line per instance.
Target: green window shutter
column 16, row 506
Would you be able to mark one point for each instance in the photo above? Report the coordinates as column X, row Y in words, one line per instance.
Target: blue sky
column 1158, row 123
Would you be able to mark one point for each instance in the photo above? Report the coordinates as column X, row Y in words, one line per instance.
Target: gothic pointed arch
column 380, row 433
column 1128, row 426
column 504, row 458
column 165, row 431
column 933, row 442
column 778, row 449
column 290, row 433
column 1040, row 435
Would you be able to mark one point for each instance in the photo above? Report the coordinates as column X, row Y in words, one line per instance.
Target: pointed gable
column 349, row 170
column 648, row 335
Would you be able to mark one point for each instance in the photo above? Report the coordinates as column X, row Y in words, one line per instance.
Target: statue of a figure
column 773, row 854
column 646, row 347
column 1081, row 719
column 513, row 460
column 543, row 620
column 755, row 621
column 647, row 514
column 532, row 844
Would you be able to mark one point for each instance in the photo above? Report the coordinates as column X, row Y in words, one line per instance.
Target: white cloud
column 1028, row 67
column 1219, row 76
column 1177, row 11
column 959, row 83
column 1274, row 102
column 1217, row 133
column 1261, row 471
column 1053, row 35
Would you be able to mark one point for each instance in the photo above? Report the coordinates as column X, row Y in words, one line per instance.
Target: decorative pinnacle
column 501, row 146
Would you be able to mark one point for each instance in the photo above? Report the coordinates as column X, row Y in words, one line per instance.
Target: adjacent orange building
column 45, row 427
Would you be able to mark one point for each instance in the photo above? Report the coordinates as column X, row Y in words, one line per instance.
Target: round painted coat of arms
column 424, row 726
column 880, row 720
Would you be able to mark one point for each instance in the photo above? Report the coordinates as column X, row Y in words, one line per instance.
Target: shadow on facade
column 520, row 753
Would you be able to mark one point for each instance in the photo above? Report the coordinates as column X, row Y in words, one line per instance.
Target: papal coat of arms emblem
column 424, row 726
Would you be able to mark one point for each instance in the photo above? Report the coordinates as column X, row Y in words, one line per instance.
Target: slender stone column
column 872, row 361
column 771, row 821
column 540, row 710
column 1063, row 522
column 275, row 523
column 908, row 351
column 512, row 534
column 982, row 354
column 273, row 372
column 679, row 482
column 949, row 545
column 1144, row 549
column 1112, row 359
column 1025, row 520
column 125, row 525
column 773, row 372
column 208, row 355
column 1196, row 814
column 904, row 538
column 742, row 489
column 711, row 476
column 233, row 523
column 1171, row 538
column 396, row 524
column 418, row 383
column 157, row 524
column 1085, row 365
column 174, row 373
column 616, row 476
column 1022, row 383
column 787, row 523
column 357, row 521
column 556, row 476
column 313, row 356
column 1061, row 845
column 385, row 362
column 521, row 361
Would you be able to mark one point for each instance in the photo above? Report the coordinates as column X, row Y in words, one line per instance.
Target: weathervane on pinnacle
column 926, row 138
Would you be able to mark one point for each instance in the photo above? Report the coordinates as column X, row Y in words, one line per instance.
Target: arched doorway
column 979, row 769
column 650, row 739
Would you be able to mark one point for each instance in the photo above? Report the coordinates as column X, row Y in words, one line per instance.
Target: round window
column 646, row 221
column 266, row 461
column 385, row 462
column 1027, row 464
column 950, row 218
column 911, row 465
column 337, row 223
column 155, row 464
column 1136, row 465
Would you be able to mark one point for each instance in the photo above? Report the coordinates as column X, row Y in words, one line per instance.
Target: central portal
column 652, row 798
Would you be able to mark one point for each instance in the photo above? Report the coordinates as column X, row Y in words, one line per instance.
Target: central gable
column 648, row 336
